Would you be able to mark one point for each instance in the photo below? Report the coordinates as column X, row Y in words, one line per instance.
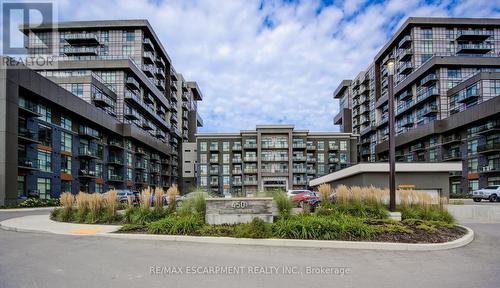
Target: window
column 45, row 135
column 225, row 170
column 128, row 50
column 77, row 89
column 128, row 35
column 225, row 146
column 321, row 157
column 66, row 141
column 203, row 158
column 427, row 33
column 472, row 165
column 473, row 185
column 129, row 174
column 104, row 36
column 21, row 186
column 214, row 146
column 472, row 147
column 98, row 170
column 343, row 145
column 43, row 186
column 343, row 158
column 46, row 114
column 225, row 158
column 203, row 170
column 453, row 73
column 321, row 145
column 456, row 187
column 203, row 146
column 203, row 181
column 44, row 161
column 433, row 154
column 98, row 188
column 66, row 122
column 66, row 186
column 66, row 164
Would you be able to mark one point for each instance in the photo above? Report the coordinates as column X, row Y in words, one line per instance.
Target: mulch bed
column 441, row 235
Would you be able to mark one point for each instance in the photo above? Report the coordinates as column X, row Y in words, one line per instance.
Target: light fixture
column 390, row 66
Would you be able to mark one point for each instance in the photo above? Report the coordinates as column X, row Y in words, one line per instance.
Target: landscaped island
column 354, row 214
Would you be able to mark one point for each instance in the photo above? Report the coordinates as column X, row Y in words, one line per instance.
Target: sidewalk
column 42, row 223
column 27, row 209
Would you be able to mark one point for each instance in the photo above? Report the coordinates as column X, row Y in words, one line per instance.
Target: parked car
column 490, row 193
column 123, row 195
column 304, row 197
column 291, row 193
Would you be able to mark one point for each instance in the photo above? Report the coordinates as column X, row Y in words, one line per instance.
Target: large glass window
column 66, row 141
column 225, row 146
column 45, row 112
column 44, row 187
column 473, row 185
column 77, row 89
column 66, row 122
column 44, row 161
column 343, row 145
column 66, row 164
column 128, row 35
column 203, row 146
column 45, row 135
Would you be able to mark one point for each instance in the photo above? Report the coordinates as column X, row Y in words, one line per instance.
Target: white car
column 491, row 193
column 292, row 193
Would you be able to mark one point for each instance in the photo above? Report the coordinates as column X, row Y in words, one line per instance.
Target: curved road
column 48, row 260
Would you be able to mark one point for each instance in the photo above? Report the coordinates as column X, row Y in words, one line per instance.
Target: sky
column 271, row 62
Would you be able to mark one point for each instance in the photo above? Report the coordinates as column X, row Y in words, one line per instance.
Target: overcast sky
column 271, row 62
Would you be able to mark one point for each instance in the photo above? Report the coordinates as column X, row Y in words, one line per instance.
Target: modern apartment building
column 446, row 84
column 121, row 69
column 270, row 157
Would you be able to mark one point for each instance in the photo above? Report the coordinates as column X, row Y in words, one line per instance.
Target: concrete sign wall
column 239, row 210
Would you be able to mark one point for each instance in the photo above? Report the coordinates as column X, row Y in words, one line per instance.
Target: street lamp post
column 392, row 136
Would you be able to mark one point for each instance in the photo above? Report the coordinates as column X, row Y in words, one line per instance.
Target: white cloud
column 271, row 63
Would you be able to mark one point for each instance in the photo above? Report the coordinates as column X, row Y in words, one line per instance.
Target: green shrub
column 337, row 226
column 35, row 202
column 200, row 205
column 176, row 225
column 359, row 209
column 144, row 215
column 284, row 204
column 432, row 212
column 255, row 229
column 217, row 230
column 131, row 227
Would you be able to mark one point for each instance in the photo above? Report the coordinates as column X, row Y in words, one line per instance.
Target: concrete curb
column 464, row 240
column 27, row 209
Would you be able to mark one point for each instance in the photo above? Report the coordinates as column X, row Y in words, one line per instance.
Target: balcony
column 173, row 118
column 407, row 122
column 140, row 151
column 185, row 116
column 250, row 146
column 237, row 183
column 491, row 168
column 214, row 160
column 237, row 171
column 115, row 143
column 299, row 182
column 489, row 147
column 299, row 170
column 405, row 95
column 27, row 136
column 311, row 147
column 160, row 61
column 237, row 160
column 185, row 107
column 149, row 70
column 333, row 160
column 311, row 171
column 489, row 128
column 148, row 57
column 79, row 51
column 405, row 54
column 311, row 160
column 453, row 155
column 250, row 158
column 160, row 73
column 173, row 85
column 146, row 125
column 250, row 170
column 481, row 48
column 87, row 173
column 236, row 148
column 250, row 182
column 115, row 161
column 28, row 108
column 468, row 97
column 87, row 152
column 473, row 35
column 82, row 39
column 451, row 139
column 160, row 134
column 405, row 68
column 85, row 131
column 403, row 107
column 148, row 44
column 333, row 147
column 405, row 41
column 133, row 97
column 102, row 100
column 115, row 178
column 428, row 110
column 299, row 158
column 131, row 114
column 27, row 164
column 428, row 80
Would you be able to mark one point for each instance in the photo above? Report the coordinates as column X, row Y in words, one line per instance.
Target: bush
column 360, row 209
column 255, row 229
column 430, row 212
column 35, row 202
column 338, row 226
column 144, row 215
column 131, row 227
column 284, row 204
column 176, row 225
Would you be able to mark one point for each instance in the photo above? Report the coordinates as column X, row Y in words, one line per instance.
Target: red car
column 304, row 197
